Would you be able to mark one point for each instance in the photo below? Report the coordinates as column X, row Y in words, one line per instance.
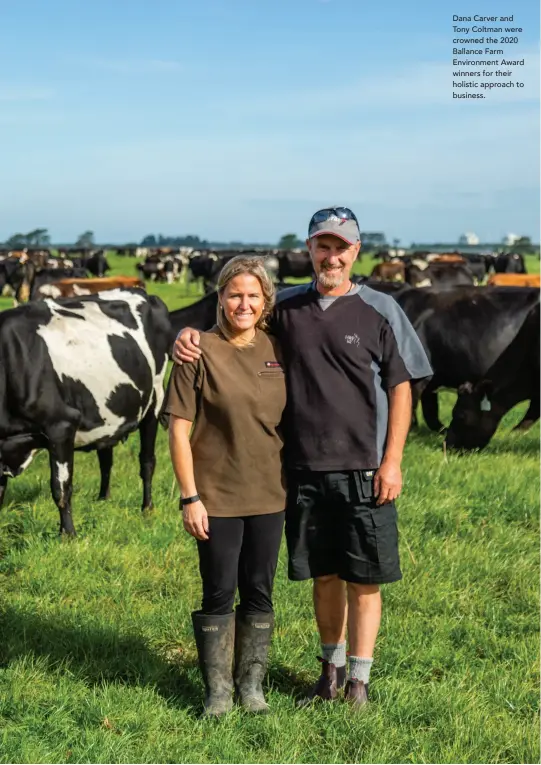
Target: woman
column 230, row 477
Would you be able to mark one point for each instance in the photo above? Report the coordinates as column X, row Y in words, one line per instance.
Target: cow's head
column 475, row 416
column 17, row 452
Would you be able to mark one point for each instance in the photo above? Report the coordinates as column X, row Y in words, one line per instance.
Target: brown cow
column 448, row 259
column 514, row 280
column 75, row 287
column 389, row 272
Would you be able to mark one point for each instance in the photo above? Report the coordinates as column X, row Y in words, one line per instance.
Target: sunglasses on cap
column 344, row 213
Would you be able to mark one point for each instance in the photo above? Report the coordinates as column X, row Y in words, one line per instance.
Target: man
column 350, row 355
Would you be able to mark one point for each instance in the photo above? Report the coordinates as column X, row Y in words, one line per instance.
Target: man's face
column 333, row 259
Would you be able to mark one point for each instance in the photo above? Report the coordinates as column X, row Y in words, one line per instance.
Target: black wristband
column 189, row 500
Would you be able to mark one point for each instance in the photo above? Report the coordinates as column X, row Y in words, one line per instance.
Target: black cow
column 13, row 274
column 463, row 331
column 514, row 377
column 510, row 263
column 200, row 315
column 81, row 374
column 151, row 268
column 97, row 263
column 439, row 275
column 207, row 267
column 390, row 288
column 478, row 264
column 297, row 265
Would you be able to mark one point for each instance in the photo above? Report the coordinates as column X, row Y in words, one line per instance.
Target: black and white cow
column 439, row 275
column 97, row 264
column 81, row 374
column 12, row 275
column 510, row 263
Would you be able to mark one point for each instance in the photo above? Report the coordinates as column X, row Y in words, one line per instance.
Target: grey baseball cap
column 339, row 222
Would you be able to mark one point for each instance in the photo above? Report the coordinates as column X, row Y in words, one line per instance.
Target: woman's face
column 243, row 302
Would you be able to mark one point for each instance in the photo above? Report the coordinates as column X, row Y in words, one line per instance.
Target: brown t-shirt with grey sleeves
column 235, row 396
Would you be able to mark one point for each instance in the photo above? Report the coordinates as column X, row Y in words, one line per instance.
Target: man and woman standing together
column 346, row 355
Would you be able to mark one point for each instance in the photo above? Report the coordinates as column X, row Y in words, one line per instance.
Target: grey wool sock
column 359, row 669
column 335, row 653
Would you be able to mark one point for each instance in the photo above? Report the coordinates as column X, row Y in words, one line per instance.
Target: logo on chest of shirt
column 353, row 339
column 273, row 365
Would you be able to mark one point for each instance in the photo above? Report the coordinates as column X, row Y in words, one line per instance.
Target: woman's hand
column 195, row 520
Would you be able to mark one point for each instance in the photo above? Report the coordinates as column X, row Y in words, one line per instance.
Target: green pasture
column 98, row 663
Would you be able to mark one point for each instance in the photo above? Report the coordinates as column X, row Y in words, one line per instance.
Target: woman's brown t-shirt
column 236, row 397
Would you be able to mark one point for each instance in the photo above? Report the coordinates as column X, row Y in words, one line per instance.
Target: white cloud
column 18, row 93
column 31, row 117
column 429, row 178
column 135, row 66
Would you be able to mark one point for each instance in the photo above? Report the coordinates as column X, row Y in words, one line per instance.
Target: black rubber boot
column 215, row 638
column 253, row 634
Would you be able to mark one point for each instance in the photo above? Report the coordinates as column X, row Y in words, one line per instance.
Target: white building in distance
column 510, row 239
column 468, row 238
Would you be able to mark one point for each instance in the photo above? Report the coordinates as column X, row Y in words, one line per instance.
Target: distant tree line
column 151, row 240
column 39, row 237
column 287, row 242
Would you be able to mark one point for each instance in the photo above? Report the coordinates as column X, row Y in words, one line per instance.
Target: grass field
column 98, row 664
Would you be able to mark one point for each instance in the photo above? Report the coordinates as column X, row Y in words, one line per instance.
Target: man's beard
column 330, row 280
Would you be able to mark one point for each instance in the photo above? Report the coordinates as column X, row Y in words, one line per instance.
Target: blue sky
column 236, row 119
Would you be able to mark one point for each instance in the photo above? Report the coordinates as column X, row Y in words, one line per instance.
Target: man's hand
column 195, row 520
column 387, row 482
column 186, row 347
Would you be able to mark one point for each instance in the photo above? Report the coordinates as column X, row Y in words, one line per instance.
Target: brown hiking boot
column 356, row 693
column 332, row 678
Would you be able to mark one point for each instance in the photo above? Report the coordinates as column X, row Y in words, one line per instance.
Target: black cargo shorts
column 333, row 526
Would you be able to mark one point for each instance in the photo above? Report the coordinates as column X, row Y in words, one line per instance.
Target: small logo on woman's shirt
column 273, row 365
column 353, row 340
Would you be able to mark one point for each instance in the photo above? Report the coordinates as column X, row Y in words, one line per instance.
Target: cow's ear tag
column 486, row 406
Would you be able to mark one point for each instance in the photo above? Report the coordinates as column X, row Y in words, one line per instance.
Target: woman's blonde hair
column 255, row 266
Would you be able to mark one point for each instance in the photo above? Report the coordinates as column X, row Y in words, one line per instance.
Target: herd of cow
column 35, row 274
column 418, row 269
column 82, row 370
column 444, row 270
column 204, row 266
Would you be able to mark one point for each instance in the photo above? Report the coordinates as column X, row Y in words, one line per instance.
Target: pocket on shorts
column 384, row 514
column 384, row 519
column 364, row 482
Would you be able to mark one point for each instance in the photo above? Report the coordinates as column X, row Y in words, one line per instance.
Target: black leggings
column 244, row 551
